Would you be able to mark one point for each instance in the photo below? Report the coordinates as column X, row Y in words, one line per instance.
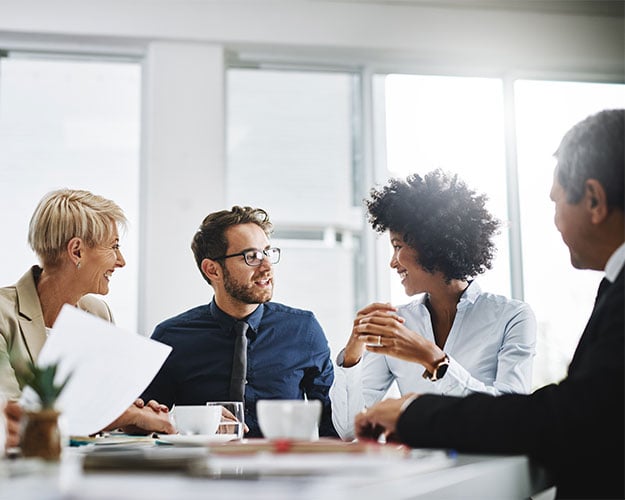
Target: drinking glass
column 232, row 418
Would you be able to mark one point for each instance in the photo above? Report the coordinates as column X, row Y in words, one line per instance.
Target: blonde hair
column 68, row 213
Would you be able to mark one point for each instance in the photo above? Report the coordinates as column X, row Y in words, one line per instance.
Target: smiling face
column 243, row 283
column 405, row 261
column 98, row 263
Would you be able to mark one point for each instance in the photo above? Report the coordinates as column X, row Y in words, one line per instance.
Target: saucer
column 195, row 439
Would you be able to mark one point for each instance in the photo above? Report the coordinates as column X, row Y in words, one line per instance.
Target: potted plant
column 41, row 436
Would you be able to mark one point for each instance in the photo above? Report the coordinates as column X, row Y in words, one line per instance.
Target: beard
column 246, row 292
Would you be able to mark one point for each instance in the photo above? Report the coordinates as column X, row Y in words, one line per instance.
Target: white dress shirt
column 491, row 348
column 615, row 263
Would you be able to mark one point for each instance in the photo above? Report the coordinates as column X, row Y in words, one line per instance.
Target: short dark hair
column 441, row 218
column 210, row 240
column 593, row 149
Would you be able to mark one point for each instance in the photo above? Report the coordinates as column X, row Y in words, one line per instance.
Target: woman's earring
column 78, row 265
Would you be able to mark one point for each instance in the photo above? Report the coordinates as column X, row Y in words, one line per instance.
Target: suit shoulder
column 8, row 296
column 95, row 306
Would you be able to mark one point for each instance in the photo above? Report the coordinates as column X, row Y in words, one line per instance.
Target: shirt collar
column 227, row 322
column 470, row 294
column 615, row 263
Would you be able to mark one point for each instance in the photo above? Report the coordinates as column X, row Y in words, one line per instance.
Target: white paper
column 110, row 368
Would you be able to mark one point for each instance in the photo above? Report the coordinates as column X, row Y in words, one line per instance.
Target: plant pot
column 41, row 436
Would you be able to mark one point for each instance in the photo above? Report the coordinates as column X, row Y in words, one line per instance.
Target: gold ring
column 379, row 339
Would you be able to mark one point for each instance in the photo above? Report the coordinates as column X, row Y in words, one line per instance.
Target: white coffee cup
column 289, row 418
column 196, row 419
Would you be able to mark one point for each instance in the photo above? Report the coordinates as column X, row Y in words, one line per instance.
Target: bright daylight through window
column 75, row 124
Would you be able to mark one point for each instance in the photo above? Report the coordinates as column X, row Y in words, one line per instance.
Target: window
column 425, row 122
column 453, row 123
column 561, row 296
column 69, row 123
column 292, row 145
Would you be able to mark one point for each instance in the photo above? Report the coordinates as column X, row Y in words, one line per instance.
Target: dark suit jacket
column 574, row 428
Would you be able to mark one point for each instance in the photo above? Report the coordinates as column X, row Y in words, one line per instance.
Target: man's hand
column 155, row 405
column 227, row 416
column 381, row 418
column 143, row 418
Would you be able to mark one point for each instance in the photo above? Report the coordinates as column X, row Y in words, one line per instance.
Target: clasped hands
column 142, row 418
column 378, row 328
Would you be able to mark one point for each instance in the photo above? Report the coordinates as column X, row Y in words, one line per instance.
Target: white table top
column 326, row 476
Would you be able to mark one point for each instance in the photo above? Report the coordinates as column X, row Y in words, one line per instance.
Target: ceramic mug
column 289, row 418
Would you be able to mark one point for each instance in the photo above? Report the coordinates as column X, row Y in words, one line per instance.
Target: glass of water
column 232, row 418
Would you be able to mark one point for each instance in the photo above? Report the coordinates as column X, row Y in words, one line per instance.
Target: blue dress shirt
column 288, row 357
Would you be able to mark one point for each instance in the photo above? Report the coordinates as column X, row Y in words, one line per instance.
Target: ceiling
column 609, row 8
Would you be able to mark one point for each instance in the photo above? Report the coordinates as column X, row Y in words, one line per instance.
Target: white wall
column 183, row 172
column 184, row 44
column 497, row 39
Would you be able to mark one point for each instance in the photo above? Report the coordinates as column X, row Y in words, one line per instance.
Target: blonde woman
column 75, row 236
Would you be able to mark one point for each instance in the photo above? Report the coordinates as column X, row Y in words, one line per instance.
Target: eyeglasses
column 254, row 257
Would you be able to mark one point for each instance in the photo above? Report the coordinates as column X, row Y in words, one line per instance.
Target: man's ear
column 74, row 250
column 596, row 200
column 211, row 269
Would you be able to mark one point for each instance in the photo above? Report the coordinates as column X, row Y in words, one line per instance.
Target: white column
column 183, row 172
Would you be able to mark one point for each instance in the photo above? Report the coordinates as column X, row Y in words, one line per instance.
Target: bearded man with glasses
column 241, row 346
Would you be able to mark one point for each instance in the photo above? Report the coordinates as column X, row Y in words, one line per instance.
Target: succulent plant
column 41, row 380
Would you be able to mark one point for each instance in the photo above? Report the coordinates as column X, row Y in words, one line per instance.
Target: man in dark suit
column 574, row 428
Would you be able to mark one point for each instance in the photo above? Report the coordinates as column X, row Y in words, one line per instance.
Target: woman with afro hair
column 454, row 338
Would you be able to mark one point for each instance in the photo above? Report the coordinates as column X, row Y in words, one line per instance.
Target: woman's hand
column 386, row 333
column 356, row 344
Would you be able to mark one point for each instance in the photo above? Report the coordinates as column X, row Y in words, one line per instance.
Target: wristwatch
column 340, row 358
column 439, row 370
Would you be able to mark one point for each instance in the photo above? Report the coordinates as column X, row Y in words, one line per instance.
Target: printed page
column 109, row 368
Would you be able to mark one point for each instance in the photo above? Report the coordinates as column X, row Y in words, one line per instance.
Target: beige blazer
column 22, row 330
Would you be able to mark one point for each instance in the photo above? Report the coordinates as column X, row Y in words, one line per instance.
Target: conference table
column 259, row 469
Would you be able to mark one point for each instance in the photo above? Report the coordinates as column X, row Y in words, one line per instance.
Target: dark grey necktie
column 603, row 286
column 239, row 362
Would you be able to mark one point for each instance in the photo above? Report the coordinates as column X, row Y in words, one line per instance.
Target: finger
column 381, row 318
column 372, row 329
column 13, row 426
column 13, row 438
column 157, row 407
column 13, row 410
column 372, row 340
column 168, row 428
column 139, row 403
column 376, row 306
column 365, row 428
column 227, row 414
